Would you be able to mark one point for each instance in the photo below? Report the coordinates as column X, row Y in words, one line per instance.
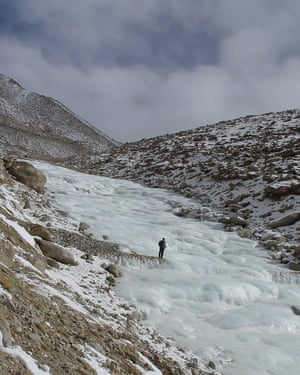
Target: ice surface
column 215, row 292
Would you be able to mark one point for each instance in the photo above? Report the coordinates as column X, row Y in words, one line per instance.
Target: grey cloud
column 142, row 68
column 156, row 33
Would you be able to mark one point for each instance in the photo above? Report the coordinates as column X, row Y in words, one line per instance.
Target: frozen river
column 216, row 293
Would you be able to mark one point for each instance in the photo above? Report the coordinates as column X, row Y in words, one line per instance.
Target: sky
column 141, row 68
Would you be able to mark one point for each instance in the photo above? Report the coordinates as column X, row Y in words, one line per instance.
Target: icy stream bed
column 215, row 293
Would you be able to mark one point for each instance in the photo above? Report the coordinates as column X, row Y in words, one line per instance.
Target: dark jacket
column 162, row 244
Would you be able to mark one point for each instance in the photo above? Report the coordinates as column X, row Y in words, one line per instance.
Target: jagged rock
column 56, row 252
column 27, row 174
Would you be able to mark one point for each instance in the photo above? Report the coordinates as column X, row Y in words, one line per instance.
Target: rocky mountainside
column 37, row 126
column 245, row 172
column 58, row 311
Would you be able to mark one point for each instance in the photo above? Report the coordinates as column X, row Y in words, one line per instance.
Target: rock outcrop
column 26, row 173
column 56, row 252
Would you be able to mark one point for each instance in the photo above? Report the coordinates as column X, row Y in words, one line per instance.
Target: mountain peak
column 39, row 126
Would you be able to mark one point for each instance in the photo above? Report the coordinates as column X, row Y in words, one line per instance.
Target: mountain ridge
column 43, row 122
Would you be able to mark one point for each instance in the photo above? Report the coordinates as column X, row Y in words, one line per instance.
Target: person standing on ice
column 162, row 246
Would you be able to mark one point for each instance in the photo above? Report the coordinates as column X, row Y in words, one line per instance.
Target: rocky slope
column 58, row 311
column 34, row 125
column 245, row 172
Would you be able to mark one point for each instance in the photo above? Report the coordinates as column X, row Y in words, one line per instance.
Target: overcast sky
column 141, row 68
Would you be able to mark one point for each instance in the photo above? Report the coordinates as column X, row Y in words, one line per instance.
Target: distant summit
column 37, row 126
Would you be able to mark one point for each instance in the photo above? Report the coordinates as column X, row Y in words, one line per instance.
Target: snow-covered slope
column 247, row 169
column 57, row 318
column 41, row 127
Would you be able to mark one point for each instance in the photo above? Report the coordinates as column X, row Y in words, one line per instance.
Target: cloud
column 137, row 70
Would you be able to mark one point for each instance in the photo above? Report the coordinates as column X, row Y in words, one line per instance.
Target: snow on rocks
column 33, row 124
column 26, row 173
column 56, row 252
column 245, row 170
column 68, row 320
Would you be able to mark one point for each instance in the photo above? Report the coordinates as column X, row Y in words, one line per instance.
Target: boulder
column 56, row 252
column 233, row 220
column 111, row 280
column 27, row 174
column 283, row 188
column 285, row 220
column 296, row 310
column 273, row 245
column 38, row 230
column 246, row 233
column 114, row 269
column 180, row 212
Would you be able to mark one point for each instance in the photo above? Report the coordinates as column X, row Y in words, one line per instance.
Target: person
column 162, row 245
